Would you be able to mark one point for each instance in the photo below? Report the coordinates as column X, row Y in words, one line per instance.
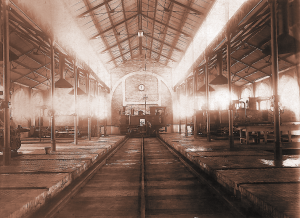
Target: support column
column 75, row 103
column 195, row 103
column 88, row 90
column 98, row 129
column 207, row 100
column 53, row 140
column 275, row 76
column 186, row 97
column 230, row 111
column 178, row 101
column 6, row 81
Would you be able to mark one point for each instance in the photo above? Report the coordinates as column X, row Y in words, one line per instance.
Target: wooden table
column 288, row 127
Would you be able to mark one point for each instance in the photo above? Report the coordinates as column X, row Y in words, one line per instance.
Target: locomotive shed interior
column 220, row 71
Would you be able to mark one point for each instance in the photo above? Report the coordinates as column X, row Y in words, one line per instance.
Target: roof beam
column 182, row 22
column 159, row 53
column 93, row 8
column 32, row 71
column 187, row 7
column 16, row 72
column 98, row 27
column 162, row 42
column 170, row 8
column 108, row 9
column 124, row 14
column 112, row 46
column 121, row 55
column 177, row 30
column 151, row 43
column 139, row 5
column 113, row 26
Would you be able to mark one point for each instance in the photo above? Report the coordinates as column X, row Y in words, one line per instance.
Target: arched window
column 289, row 96
column 264, row 90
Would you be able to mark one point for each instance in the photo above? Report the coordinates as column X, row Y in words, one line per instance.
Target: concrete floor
column 248, row 171
column 33, row 176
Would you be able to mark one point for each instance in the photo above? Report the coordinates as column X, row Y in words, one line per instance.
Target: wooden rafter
column 158, row 53
column 171, row 5
column 108, row 9
column 187, row 7
column 163, row 42
column 98, row 27
column 112, row 27
column 126, row 26
column 181, row 25
column 121, row 55
column 32, row 71
column 152, row 33
column 166, row 25
column 116, row 44
column 94, row 8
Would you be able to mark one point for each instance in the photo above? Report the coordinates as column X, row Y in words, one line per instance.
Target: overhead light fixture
column 140, row 33
column 62, row 82
column 220, row 79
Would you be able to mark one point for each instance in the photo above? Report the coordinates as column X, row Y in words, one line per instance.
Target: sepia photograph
column 150, row 108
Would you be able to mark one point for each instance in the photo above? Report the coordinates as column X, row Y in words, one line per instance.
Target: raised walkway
column 248, row 171
column 33, row 176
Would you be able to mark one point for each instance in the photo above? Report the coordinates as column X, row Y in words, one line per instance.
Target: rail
column 143, row 202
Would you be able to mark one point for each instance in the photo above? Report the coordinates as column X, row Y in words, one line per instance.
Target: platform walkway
column 33, row 176
column 248, row 171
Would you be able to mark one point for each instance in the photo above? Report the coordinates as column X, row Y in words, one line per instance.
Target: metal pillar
column 98, row 130
column 75, row 104
column 88, row 90
column 195, row 103
column 186, row 96
column 275, row 76
column 53, row 141
column 178, row 102
column 207, row 100
column 6, row 81
column 230, row 111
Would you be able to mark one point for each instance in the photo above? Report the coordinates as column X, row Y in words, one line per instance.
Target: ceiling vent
column 286, row 43
column 220, row 79
column 203, row 89
column 62, row 82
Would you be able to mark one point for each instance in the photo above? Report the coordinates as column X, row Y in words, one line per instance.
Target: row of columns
column 274, row 56
column 6, row 84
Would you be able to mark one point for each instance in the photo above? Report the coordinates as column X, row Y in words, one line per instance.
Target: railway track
column 142, row 178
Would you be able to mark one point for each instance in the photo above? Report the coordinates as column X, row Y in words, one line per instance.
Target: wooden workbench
column 266, row 128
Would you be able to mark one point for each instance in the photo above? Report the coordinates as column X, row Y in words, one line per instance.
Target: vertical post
column 6, row 80
column 274, row 56
column 105, row 119
column 178, row 101
column 75, row 103
column 230, row 111
column 186, row 96
column 88, row 90
column 207, row 100
column 40, row 132
column 53, row 141
column 195, row 103
column 98, row 94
